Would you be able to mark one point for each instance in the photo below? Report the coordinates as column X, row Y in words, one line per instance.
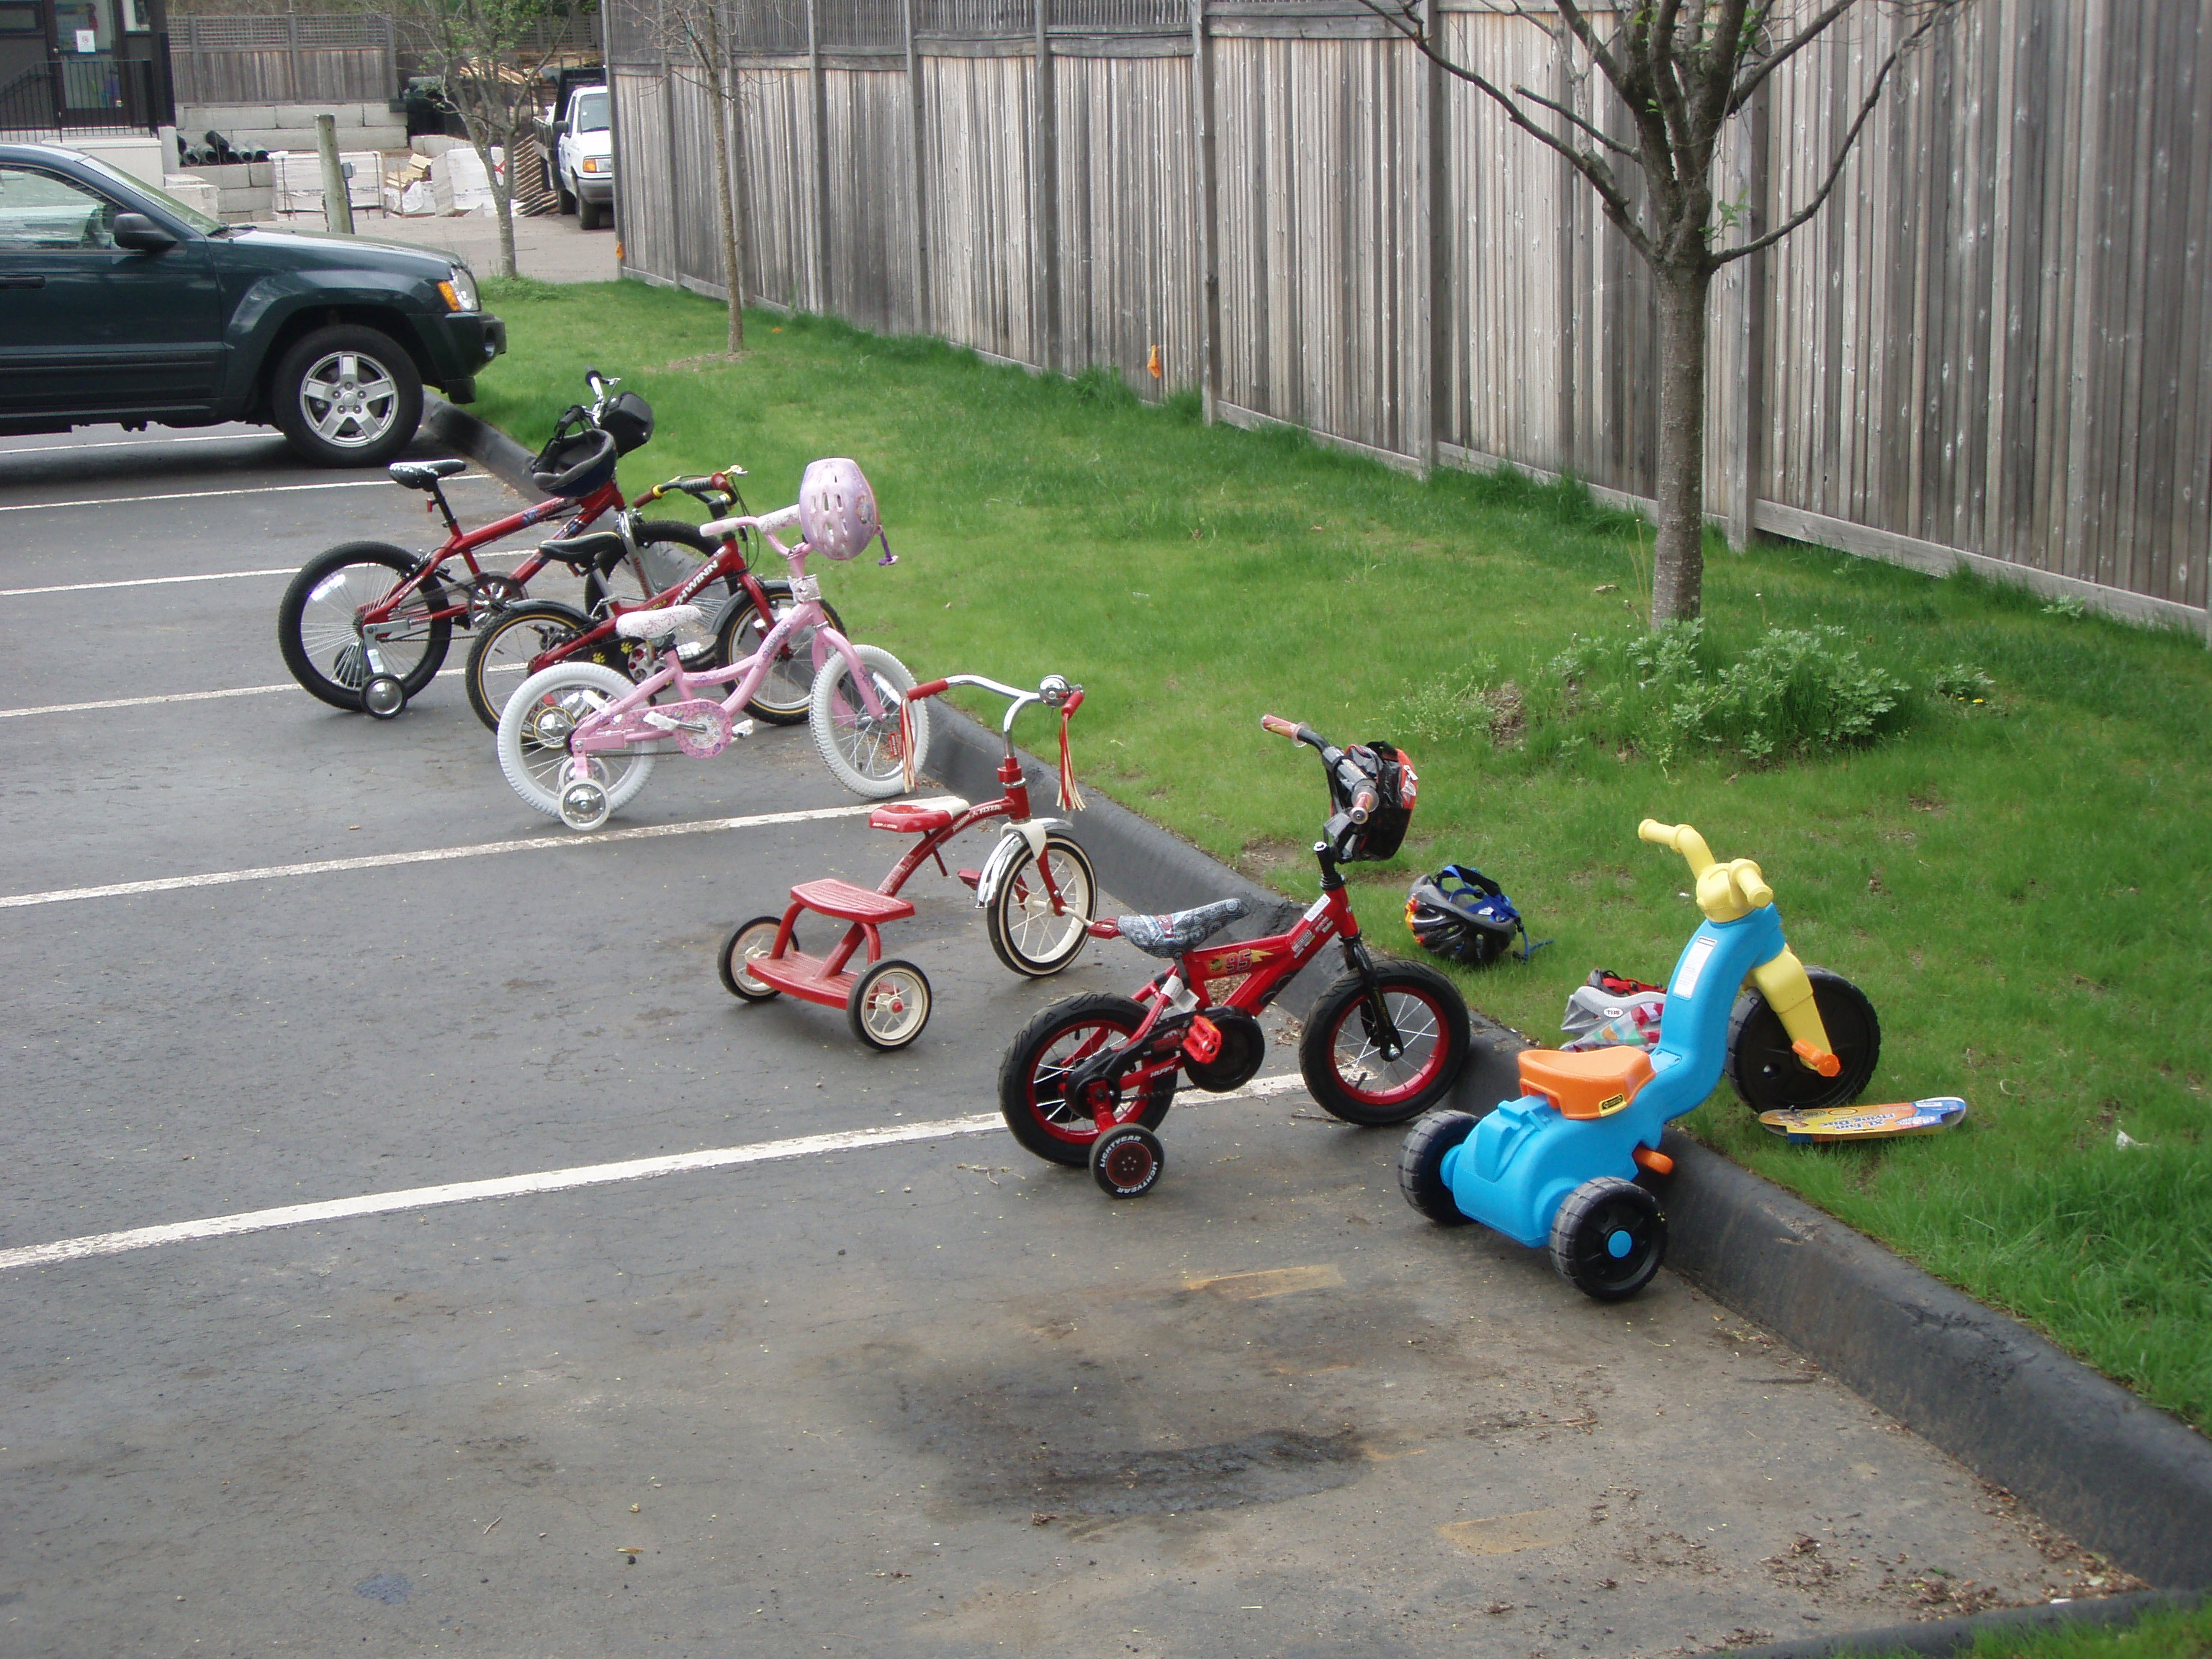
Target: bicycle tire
column 536, row 628
column 523, row 759
column 1357, row 1085
column 1047, row 1123
column 862, row 751
column 1020, row 909
column 308, row 642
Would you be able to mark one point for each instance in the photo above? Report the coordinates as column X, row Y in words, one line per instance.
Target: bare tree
column 694, row 39
column 1681, row 70
column 491, row 54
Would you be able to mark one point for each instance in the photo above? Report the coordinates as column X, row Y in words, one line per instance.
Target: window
column 18, row 18
column 591, row 110
column 37, row 211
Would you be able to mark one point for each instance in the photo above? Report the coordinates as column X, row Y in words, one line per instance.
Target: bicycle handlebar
column 784, row 518
column 1052, row 691
column 1351, row 781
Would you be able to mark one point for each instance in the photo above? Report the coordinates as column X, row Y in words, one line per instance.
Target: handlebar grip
column 1363, row 805
column 1658, row 833
column 1279, row 725
column 1755, row 891
column 1074, row 701
column 930, row 689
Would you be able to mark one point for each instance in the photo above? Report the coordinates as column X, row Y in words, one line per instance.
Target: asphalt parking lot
column 830, row 1394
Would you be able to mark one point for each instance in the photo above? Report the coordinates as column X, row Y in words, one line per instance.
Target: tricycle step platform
column 841, row 899
column 803, row 976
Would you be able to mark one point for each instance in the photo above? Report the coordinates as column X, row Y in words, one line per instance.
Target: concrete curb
column 491, row 448
column 2119, row 1475
column 1940, row 1638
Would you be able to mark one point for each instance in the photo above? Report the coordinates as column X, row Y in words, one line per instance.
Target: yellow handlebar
column 1725, row 891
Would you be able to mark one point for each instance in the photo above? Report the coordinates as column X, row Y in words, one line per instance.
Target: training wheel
column 584, row 804
column 1127, row 1161
column 889, row 1003
column 384, row 696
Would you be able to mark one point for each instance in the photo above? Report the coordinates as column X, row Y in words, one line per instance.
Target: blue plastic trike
column 1558, row 1165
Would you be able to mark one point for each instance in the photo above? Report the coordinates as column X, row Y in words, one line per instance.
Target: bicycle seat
column 582, row 552
column 421, row 475
column 1173, row 934
column 1596, row 1082
column 904, row 818
column 658, row 624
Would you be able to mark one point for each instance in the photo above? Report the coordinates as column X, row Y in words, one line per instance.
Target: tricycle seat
column 841, row 899
column 904, row 818
column 1596, row 1082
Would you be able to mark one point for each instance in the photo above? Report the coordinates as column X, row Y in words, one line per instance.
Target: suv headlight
column 460, row 289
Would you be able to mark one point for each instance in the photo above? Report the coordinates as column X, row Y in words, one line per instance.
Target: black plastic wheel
column 787, row 691
column 749, row 939
column 1608, row 1238
column 1421, row 1165
column 889, row 1003
column 315, row 627
column 1347, row 1071
column 1127, row 1161
column 1766, row 1071
column 1031, row 1096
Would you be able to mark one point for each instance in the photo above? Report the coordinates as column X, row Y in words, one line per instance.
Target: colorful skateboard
column 1826, row 1123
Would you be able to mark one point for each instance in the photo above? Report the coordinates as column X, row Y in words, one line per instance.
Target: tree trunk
column 1678, row 569
column 725, row 112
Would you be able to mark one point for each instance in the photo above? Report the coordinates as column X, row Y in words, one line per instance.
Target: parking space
column 829, row 1394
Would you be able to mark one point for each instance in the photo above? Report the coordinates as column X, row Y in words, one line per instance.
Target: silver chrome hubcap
column 349, row 400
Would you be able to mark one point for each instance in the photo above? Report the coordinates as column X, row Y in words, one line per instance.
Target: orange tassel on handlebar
column 1070, row 798
column 906, row 745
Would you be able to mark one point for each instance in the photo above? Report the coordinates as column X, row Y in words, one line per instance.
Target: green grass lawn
column 2184, row 1634
column 2022, row 886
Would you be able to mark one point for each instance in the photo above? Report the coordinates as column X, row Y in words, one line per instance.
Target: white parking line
column 141, row 443
column 257, row 489
column 436, row 854
column 138, row 581
column 205, row 696
column 549, row 1180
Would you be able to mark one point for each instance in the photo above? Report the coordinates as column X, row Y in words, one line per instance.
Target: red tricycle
column 1088, row 1080
column 1037, row 892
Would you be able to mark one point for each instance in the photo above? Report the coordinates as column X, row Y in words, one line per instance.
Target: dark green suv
column 119, row 303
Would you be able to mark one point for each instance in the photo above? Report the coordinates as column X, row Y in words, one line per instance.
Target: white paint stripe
column 140, row 581
column 212, row 494
column 550, row 1180
column 142, row 443
column 438, row 854
column 207, row 696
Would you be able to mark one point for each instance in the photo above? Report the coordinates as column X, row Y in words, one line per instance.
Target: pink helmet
column 836, row 509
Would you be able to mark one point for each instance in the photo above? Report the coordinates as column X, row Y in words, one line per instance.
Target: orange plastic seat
column 1594, row 1084
column 904, row 818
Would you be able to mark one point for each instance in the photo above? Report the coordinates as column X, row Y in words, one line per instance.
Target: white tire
column 542, row 710
column 862, row 752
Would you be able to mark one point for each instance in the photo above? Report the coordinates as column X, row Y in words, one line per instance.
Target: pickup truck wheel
column 565, row 197
column 347, row 396
column 590, row 214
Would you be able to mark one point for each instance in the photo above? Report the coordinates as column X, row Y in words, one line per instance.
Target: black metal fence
column 83, row 95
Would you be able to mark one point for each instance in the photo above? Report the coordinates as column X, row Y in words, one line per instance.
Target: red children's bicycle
column 1088, row 1079
column 365, row 625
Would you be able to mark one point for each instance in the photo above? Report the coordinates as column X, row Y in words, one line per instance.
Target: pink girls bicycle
column 578, row 740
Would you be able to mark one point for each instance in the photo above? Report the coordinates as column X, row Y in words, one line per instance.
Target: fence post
column 817, row 113
column 1044, row 213
column 1746, row 459
column 1425, row 375
column 1209, row 273
column 918, row 131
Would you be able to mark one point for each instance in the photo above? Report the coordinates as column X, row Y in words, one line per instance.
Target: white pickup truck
column 580, row 159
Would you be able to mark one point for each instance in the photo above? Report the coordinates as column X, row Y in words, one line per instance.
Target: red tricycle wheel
column 748, row 939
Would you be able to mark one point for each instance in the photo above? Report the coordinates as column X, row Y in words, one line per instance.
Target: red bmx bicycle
column 1088, row 1079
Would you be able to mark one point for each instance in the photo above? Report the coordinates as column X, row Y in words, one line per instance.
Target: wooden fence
column 344, row 58
column 1992, row 349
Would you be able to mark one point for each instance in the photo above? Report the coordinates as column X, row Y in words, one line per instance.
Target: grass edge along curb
column 2120, row 1475
column 1941, row 1637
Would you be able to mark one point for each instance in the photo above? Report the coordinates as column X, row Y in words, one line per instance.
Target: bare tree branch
column 1566, row 114
column 1781, row 55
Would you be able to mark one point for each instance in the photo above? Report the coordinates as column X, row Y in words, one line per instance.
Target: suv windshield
column 190, row 216
column 592, row 110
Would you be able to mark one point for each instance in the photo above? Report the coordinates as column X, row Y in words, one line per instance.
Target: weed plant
column 1990, row 813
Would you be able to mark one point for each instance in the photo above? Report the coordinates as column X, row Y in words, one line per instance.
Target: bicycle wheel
column 668, row 551
column 315, row 621
column 1347, row 1071
column 534, row 728
column 1032, row 1097
column 864, row 752
column 785, row 692
column 1028, row 935
column 499, row 659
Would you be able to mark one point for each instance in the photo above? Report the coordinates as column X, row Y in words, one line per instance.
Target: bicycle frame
column 631, row 719
column 463, row 544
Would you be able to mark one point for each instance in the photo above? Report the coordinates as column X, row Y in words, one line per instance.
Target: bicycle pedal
column 743, row 729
